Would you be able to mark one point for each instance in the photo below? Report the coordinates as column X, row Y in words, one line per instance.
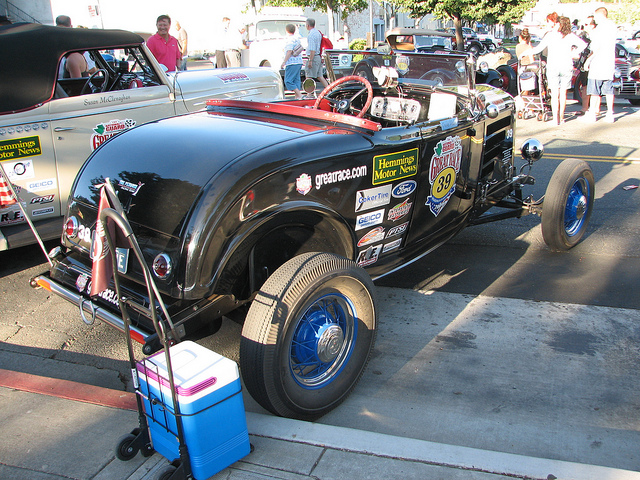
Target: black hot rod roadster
column 278, row 215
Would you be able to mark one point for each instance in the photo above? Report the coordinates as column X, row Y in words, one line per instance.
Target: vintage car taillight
column 71, row 227
column 161, row 265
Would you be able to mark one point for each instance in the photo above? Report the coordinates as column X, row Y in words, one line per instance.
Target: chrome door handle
column 63, row 129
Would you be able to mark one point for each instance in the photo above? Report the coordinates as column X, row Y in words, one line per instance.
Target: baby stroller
column 533, row 98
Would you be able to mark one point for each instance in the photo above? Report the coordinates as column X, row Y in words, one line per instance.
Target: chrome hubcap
column 330, row 340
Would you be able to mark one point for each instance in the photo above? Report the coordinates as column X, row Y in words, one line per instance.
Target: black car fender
column 247, row 246
column 492, row 77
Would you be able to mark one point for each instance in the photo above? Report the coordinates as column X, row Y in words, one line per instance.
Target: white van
column 267, row 38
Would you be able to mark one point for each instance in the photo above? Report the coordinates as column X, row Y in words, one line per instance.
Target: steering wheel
column 90, row 86
column 346, row 104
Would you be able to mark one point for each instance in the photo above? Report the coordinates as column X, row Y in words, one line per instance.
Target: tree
column 628, row 12
column 492, row 11
column 329, row 6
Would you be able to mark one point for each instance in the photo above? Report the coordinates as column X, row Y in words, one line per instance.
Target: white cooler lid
column 197, row 371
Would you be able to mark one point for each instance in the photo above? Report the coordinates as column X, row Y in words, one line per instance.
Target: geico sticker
column 39, row 185
column 369, row 219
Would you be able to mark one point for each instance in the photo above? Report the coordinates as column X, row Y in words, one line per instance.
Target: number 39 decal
column 445, row 165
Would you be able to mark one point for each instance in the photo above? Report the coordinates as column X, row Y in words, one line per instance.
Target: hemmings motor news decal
column 104, row 131
column 20, row 148
column 394, row 166
column 445, row 165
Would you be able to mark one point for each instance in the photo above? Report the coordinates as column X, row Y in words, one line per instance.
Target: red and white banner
column 6, row 195
column 102, row 268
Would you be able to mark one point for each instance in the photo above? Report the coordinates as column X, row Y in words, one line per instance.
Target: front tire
column 509, row 79
column 568, row 203
column 308, row 335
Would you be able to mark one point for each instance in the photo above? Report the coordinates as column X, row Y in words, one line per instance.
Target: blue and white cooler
column 210, row 400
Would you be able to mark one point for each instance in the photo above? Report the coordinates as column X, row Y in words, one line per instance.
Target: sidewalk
column 60, row 430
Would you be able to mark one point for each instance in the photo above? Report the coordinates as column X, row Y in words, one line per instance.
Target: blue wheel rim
column 577, row 207
column 323, row 341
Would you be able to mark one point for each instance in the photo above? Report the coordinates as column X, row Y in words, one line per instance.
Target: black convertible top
column 29, row 57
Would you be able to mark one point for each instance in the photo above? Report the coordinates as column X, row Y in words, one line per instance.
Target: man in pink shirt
column 165, row 47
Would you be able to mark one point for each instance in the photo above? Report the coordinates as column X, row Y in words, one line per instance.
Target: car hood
column 196, row 86
column 160, row 168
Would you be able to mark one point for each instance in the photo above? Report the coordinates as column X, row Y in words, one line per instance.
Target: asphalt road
column 491, row 342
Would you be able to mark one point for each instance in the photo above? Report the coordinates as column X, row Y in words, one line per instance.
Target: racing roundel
column 444, row 168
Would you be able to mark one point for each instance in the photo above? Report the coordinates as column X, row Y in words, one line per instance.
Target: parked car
column 434, row 41
column 490, row 41
column 279, row 215
column 64, row 119
column 472, row 43
column 626, row 76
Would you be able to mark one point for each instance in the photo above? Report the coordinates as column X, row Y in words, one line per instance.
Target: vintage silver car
column 50, row 124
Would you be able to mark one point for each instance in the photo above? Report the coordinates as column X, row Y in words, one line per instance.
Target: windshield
column 432, row 69
column 433, row 41
column 271, row 29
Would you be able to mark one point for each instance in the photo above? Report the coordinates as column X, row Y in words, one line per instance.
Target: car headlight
column 345, row 60
column 484, row 67
column 617, row 73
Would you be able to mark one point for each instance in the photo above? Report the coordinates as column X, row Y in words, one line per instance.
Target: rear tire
column 580, row 84
column 568, row 203
column 308, row 335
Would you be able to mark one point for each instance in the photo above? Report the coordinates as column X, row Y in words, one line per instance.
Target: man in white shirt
column 232, row 43
column 602, row 64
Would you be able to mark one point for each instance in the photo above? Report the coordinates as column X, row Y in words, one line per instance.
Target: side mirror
column 309, row 86
column 532, row 150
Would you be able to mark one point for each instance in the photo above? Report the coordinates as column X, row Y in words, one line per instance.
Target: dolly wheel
column 166, row 473
column 126, row 450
